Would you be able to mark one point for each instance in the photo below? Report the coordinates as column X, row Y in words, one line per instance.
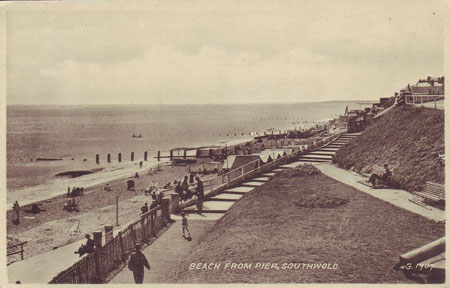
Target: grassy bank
column 278, row 223
column 409, row 139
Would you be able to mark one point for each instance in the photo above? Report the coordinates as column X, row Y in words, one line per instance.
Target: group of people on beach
column 185, row 193
column 76, row 191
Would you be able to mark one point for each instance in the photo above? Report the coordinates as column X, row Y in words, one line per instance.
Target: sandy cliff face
column 408, row 139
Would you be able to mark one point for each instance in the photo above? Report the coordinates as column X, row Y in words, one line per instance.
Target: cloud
column 225, row 52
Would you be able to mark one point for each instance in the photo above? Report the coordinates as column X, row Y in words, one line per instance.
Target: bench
column 433, row 192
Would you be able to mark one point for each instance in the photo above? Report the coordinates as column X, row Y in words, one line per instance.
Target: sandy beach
column 56, row 227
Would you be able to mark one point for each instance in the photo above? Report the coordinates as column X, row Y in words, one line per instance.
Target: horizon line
column 192, row 104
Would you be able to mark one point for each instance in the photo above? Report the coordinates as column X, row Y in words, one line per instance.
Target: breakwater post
column 145, row 156
column 159, row 156
column 119, row 157
column 117, row 210
column 108, row 157
column 97, row 158
column 171, row 155
column 132, row 156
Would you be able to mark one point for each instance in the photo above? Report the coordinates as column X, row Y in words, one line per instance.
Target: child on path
column 185, row 225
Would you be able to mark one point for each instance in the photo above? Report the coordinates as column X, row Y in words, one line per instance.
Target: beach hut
column 237, row 161
column 294, row 148
column 204, row 153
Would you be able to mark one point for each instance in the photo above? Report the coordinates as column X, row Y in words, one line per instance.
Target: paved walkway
column 396, row 197
column 43, row 267
column 167, row 251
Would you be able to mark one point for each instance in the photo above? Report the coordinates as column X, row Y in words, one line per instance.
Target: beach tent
column 275, row 153
column 264, row 157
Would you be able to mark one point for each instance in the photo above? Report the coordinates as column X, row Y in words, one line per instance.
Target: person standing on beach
column 185, row 186
column 16, row 211
column 179, row 190
column 137, row 263
column 144, row 209
column 200, row 194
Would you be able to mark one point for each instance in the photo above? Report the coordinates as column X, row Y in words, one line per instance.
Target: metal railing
column 98, row 266
column 16, row 249
column 422, row 98
column 255, row 166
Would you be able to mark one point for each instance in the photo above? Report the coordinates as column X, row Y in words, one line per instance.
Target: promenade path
column 43, row 267
column 396, row 197
column 440, row 105
column 170, row 248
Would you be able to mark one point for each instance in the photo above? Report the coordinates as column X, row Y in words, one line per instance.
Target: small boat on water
column 134, row 136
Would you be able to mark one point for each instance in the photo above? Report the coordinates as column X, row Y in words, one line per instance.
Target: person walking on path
column 137, row 263
column 185, row 225
column 200, row 194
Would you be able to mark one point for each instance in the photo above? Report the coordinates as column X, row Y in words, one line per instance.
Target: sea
column 76, row 134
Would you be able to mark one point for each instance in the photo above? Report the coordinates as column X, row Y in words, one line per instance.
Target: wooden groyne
column 119, row 157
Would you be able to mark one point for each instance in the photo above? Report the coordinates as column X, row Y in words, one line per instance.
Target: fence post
column 121, row 245
column 152, row 219
column 98, row 276
column 144, row 234
column 133, row 233
column 165, row 210
column 108, row 233
column 21, row 251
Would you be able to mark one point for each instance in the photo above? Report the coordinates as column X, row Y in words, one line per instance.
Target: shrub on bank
column 301, row 170
column 408, row 139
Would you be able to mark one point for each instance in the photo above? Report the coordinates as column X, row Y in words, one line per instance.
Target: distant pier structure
column 178, row 153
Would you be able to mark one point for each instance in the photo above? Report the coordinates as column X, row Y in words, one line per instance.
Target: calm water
column 80, row 132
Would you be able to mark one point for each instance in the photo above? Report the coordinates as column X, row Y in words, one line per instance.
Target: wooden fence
column 98, row 266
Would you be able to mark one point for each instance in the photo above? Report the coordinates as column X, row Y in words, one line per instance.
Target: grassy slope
column 407, row 138
column 364, row 237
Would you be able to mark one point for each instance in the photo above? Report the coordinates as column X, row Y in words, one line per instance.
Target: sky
column 197, row 52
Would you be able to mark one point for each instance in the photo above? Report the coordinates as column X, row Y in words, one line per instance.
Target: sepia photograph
column 223, row 142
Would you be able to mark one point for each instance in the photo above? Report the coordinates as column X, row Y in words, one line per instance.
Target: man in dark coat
column 137, row 263
column 200, row 194
column 86, row 248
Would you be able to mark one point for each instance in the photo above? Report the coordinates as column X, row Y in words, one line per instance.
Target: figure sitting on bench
column 86, row 248
column 385, row 178
column 71, row 206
